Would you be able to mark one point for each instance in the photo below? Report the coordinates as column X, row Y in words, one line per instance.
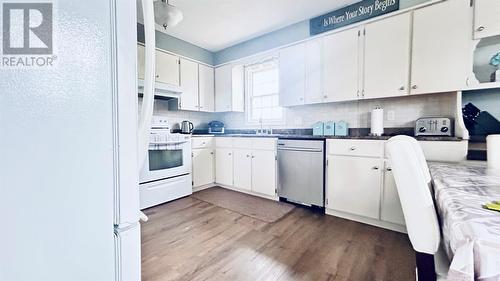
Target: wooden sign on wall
column 351, row 14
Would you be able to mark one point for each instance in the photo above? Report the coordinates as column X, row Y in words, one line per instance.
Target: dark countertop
column 311, row 137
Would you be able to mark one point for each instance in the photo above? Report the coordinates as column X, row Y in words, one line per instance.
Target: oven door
column 167, row 160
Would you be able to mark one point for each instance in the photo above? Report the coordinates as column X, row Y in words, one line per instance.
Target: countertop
column 311, row 137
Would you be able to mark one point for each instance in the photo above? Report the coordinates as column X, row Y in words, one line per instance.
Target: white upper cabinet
column 189, row 84
column 387, row 57
column 292, row 70
column 486, row 18
column 206, row 88
column 314, row 67
column 229, row 88
column 167, row 68
column 442, row 47
column 340, row 65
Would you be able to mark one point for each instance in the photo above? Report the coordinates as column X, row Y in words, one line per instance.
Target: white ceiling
column 217, row 24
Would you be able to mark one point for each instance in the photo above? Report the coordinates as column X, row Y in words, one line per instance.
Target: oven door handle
column 165, row 145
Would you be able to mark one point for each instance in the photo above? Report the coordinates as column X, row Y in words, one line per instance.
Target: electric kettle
column 187, row 127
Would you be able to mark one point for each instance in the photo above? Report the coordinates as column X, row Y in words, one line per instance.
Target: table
column 471, row 234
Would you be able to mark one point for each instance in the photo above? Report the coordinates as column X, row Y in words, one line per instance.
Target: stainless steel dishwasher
column 301, row 171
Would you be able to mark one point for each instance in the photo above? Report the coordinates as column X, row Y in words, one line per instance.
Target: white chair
column 413, row 181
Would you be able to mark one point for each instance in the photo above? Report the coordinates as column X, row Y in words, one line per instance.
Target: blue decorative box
column 318, row 129
column 329, row 129
column 341, row 129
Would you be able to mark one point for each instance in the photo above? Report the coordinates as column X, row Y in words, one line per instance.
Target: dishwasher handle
column 301, row 149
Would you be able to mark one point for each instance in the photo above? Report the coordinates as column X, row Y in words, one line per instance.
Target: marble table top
column 471, row 234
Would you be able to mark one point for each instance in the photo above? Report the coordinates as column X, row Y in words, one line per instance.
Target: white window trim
column 248, row 103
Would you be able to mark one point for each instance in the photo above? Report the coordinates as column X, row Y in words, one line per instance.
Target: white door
column 292, row 75
column 486, row 18
column 354, row 185
column 391, row 210
column 314, row 67
column 341, row 65
column 387, row 57
column 189, row 84
column 242, row 169
column 264, row 172
column 140, row 61
column 224, row 166
column 223, row 88
column 167, row 68
column 442, row 47
column 203, row 166
column 206, row 88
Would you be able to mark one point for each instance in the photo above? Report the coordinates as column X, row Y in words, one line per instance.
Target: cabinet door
column 238, row 88
column 387, row 47
column 189, row 84
column 207, row 88
column 224, row 166
column 391, row 210
column 223, row 88
column 203, row 166
column 141, row 61
column 442, row 47
column 486, row 18
column 167, row 68
column 264, row 172
column 314, row 65
column 292, row 75
column 341, row 65
column 243, row 169
column 354, row 185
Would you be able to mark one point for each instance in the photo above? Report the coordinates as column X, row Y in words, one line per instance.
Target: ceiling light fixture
column 167, row 15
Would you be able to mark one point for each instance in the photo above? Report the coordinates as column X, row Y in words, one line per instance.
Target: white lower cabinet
column 224, row 166
column 247, row 165
column 264, row 172
column 203, row 167
column 360, row 185
column 354, row 185
column 242, row 169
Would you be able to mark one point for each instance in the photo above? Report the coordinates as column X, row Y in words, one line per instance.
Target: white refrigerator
column 68, row 142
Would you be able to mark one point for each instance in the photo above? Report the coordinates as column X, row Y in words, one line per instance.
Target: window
column 262, row 82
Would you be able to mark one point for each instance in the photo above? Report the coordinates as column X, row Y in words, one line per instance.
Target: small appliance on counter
column 216, row 127
column 433, row 126
column 186, row 127
column 318, row 129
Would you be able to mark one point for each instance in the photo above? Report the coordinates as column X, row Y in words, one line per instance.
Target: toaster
column 433, row 126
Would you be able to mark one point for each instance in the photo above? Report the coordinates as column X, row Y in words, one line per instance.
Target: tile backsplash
column 357, row 113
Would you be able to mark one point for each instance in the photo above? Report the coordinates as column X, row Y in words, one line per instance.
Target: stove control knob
column 445, row 129
column 422, row 129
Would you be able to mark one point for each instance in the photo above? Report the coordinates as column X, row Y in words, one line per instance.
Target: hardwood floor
column 190, row 239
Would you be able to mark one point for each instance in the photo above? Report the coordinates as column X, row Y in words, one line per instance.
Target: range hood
column 162, row 90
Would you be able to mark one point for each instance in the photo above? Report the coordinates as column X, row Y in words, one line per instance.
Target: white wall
column 357, row 113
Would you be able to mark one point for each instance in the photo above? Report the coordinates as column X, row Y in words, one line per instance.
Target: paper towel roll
column 493, row 151
column 377, row 126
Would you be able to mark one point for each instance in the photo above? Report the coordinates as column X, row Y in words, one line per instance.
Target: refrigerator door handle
column 143, row 216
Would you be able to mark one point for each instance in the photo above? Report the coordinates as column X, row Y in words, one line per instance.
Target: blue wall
column 178, row 46
column 284, row 36
column 486, row 100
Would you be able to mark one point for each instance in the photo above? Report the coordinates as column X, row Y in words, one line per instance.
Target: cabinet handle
column 157, row 76
column 389, row 169
column 353, row 148
column 325, row 96
column 481, row 28
column 363, row 93
column 402, row 88
column 414, row 87
column 375, row 168
column 212, row 153
column 248, row 155
column 229, row 154
column 253, row 156
column 357, row 93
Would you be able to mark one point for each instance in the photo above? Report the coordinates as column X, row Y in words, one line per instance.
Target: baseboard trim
column 365, row 220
